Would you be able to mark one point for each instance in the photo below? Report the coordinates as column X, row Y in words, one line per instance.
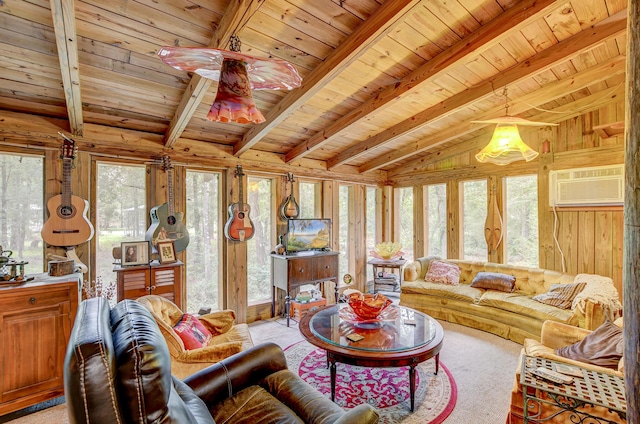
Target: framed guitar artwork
column 166, row 223
column 239, row 226
column 68, row 224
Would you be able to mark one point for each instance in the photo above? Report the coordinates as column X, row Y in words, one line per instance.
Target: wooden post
column 631, row 272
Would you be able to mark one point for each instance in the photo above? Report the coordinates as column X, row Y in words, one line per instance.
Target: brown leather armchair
column 228, row 337
column 118, row 370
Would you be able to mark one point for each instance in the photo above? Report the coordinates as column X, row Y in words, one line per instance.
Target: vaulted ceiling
column 385, row 84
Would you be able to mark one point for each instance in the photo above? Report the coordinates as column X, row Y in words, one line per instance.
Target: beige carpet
column 482, row 365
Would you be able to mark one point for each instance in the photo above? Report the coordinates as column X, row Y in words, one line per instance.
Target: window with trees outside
column 372, row 219
column 308, row 200
column 22, row 209
column 474, row 215
column 345, row 229
column 437, row 220
column 405, row 217
column 261, row 199
column 203, row 221
column 521, row 219
column 121, row 213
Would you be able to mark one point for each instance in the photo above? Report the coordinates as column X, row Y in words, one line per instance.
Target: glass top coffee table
column 400, row 337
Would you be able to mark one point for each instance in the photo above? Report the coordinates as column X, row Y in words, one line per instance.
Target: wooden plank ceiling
column 385, row 84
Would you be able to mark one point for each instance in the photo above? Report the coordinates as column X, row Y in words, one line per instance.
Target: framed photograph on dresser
column 135, row 253
column 166, row 252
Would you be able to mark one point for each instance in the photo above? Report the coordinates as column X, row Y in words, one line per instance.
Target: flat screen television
column 308, row 234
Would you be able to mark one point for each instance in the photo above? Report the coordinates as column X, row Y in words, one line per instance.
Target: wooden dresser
column 36, row 319
column 292, row 271
column 140, row 280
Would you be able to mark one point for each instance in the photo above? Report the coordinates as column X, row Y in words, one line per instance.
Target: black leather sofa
column 118, row 370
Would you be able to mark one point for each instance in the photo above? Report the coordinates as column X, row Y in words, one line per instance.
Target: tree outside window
column 405, row 217
column 474, row 215
column 521, row 219
column 437, row 220
column 205, row 240
column 259, row 247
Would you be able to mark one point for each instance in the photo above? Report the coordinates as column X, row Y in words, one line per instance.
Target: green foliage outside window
column 521, row 219
column 473, row 218
column 260, row 246
column 205, row 238
column 437, row 220
column 22, row 209
column 406, row 222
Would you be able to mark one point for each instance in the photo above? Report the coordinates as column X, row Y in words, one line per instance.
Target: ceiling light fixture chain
column 234, row 43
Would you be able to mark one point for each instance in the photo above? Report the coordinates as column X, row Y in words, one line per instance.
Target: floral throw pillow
column 193, row 334
column 443, row 272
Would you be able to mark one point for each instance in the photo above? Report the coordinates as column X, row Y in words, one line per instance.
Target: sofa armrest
column 556, row 334
column 361, row 414
column 222, row 380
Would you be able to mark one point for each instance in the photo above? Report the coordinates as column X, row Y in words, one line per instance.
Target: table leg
column 412, row 384
column 437, row 363
column 332, row 371
column 287, row 306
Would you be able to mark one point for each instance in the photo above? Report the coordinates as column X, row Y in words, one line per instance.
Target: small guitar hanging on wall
column 67, row 224
column 166, row 223
column 239, row 226
column 289, row 209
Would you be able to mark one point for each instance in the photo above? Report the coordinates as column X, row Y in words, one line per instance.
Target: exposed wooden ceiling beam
column 550, row 92
column 20, row 130
column 475, row 44
column 234, row 19
column 544, row 60
column 378, row 25
column 64, row 26
column 419, row 166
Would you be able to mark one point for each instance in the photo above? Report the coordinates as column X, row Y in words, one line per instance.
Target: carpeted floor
column 481, row 364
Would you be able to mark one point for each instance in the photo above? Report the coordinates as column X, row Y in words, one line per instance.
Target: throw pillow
column 494, row 281
column 193, row 334
column 560, row 295
column 604, row 347
column 443, row 272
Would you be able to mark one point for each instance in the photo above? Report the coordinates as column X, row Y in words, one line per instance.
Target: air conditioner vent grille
column 597, row 186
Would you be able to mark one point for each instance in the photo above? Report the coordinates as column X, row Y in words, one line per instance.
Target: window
column 437, row 220
column 120, row 212
column 205, row 239
column 372, row 219
column 261, row 200
column 521, row 212
column 474, row 214
column 345, row 229
column 405, row 217
column 309, row 200
column 22, row 208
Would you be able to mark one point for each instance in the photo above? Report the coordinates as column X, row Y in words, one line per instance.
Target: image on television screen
column 308, row 234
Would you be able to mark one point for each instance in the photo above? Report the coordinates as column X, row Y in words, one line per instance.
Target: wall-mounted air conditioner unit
column 594, row 186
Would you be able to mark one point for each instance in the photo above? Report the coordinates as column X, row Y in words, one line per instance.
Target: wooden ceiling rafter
column 64, row 26
column 378, row 25
column 235, row 18
column 450, row 150
column 560, row 52
column 559, row 114
column 486, row 37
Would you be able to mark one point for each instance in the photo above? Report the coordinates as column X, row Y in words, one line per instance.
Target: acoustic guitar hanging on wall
column 289, row 208
column 166, row 223
column 239, row 226
column 67, row 224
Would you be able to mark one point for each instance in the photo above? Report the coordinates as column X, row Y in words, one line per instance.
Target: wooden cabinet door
column 300, row 270
column 166, row 282
column 35, row 326
column 133, row 283
column 326, row 267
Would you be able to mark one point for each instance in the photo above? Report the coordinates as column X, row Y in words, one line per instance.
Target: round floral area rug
column 387, row 389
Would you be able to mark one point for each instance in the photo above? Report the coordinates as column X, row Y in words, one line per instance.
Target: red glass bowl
column 368, row 306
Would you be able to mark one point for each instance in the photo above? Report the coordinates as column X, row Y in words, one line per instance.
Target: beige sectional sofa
column 514, row 315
